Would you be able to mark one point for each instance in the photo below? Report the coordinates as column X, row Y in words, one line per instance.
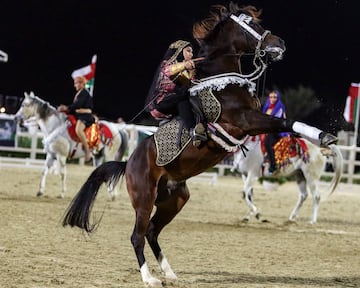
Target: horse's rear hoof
column 39, row 194
column 327, row 139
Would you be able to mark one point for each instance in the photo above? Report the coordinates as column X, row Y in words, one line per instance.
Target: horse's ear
column 26, row 95
column 32, row 94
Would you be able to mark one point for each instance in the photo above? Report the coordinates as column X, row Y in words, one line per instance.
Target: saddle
column 171, row 137
column 96, row 133
column 286, row 148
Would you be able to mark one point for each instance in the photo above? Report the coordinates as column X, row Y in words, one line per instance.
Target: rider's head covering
column 174, row 52
column 172, row 55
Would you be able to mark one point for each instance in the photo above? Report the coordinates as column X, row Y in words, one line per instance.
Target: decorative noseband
column 243, row 20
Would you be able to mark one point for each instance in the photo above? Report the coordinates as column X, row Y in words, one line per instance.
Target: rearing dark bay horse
column 224, row 36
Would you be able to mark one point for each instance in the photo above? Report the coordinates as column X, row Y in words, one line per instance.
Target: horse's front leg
column 248, row 196
column 49, row 162
column 258, row 123
column 172, row 197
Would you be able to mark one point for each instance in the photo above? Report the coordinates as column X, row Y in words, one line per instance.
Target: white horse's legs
column 49, row 161
column 316, row 200
column 248, row 195
column 302, row 197
column 113, row 191
column 62, row 163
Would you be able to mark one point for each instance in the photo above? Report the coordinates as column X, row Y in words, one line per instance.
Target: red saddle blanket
column 286, row 148
column 96, row 133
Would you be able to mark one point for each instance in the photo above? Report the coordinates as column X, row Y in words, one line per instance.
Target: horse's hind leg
column 172, row 198
column 301, row 182
column 62, row 163
column 315, row 193
column 142, row 195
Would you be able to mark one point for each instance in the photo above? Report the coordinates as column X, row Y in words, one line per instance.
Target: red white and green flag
column 350, row 111
column 89, row 73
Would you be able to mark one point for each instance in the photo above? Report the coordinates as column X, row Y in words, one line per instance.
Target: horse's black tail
column 79, row 210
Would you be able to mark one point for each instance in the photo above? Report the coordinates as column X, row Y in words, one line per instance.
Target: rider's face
column 272, row 97
column 78, row 84
column 188, row 53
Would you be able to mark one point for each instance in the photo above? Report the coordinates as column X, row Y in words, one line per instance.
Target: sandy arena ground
column 207, row 244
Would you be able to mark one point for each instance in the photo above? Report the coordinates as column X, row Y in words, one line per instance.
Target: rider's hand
column 189, row 64
column 62, row 108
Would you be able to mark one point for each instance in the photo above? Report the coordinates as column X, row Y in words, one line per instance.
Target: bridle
column 244, row 20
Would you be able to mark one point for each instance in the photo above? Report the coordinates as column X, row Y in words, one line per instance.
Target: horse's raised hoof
column 257, row 216
column 39, row 194
column 327, row 139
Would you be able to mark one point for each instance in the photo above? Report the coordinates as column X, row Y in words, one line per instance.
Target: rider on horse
column 169, row 96
column 275, row 107
column 81, row 108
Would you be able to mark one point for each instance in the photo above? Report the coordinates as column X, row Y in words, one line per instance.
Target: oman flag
column 350, row 111
column 89, row 73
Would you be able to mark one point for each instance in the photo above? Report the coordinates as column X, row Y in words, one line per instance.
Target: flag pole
column 356, row 132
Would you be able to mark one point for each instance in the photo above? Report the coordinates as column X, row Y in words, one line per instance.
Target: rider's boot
column 198, row 133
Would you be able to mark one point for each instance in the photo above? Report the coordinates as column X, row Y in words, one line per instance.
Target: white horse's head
column 28, row 107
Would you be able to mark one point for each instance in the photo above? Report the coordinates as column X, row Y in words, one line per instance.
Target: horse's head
column 27, row 109
column 250, row 36
column 233, row 32
column 34, row 107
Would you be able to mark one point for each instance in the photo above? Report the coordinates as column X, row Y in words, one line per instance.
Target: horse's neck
column 218, row 66
column 218, row 61
column 50, row 123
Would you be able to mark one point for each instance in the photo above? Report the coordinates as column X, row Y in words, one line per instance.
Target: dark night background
column 47, row 40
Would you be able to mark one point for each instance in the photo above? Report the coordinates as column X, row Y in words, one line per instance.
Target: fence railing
column 135, row 131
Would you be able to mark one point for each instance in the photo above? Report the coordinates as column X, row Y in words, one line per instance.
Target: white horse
column 307, row 174
column 111, row 141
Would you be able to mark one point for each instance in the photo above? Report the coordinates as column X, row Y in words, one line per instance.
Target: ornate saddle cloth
column 286, row 148
column 95, row 133
column 170, row 141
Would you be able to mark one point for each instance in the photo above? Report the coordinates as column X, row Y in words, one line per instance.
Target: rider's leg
column 199, row 130
column 80, row 132
column 197, row 133
column 269, row 142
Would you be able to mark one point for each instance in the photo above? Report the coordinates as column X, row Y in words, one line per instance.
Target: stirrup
column 198, row 134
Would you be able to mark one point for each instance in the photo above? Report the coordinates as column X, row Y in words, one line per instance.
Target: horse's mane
column 44, row 108
column 218, row 14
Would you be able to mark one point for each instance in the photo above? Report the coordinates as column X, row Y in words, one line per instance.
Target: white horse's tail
column 337, row 158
